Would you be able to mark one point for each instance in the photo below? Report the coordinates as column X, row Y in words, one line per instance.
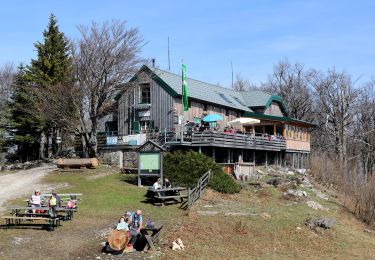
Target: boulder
column 316, row 205
column 324, row 223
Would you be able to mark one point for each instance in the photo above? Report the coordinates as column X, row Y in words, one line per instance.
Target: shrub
column 186, row 168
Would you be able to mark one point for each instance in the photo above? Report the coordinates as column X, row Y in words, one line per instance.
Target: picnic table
column 151, row 233
column 19, row 218
column 174, row 193
column 16, row 211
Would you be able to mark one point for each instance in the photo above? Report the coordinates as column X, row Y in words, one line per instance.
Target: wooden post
column 266, row 159
column 274, row 130
column 200, row 149
column 293, row 160
column 200, row 187
column 139, row 172
column 213, row 154
column 188, row 201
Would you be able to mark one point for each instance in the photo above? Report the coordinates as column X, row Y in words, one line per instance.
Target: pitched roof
column 203, row 91
column 211, row 93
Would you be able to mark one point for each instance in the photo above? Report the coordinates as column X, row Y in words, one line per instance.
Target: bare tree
column 362, row 141
column 105, row 56
column 242, row 84
column 291, row 82
column 7, row 72
column 336, row 97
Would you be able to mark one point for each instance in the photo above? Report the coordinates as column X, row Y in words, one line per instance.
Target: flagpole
column 182, row 102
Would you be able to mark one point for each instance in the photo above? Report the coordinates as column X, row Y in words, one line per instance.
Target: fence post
column 188, row 202
column 200, row 187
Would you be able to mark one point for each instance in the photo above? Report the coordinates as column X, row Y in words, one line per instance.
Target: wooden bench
column 16, row 221
column 153, row 236
column 160, row 194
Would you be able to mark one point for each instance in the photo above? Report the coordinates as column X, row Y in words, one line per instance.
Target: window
column 145, row 97
column 239, row 101
column 227, row 112
column 225, row 98
column 204, row 107
column 146, row 126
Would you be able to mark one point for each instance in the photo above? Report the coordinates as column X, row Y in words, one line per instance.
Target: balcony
column 237, row 141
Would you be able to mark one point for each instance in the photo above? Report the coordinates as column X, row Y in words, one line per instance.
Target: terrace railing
column 220, row 139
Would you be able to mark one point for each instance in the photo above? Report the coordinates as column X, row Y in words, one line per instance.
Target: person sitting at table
column 70, row 204
column 135, row 228
column 157, row 184
column 52, row 205
column 35, row 200
column 58, row 199
column 167, row 183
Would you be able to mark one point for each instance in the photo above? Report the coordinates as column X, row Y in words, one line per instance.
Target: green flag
column 184, row 89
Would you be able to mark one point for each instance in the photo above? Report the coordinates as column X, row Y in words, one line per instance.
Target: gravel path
column 23, row 183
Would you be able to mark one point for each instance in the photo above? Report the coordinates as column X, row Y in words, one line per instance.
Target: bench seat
column 16, row 220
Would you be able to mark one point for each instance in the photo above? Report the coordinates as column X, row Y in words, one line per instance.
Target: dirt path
column 23, row 183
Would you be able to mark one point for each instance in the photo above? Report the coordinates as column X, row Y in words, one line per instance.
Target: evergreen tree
column 53, row 63
column 25, row 122
column 51, row 68
column 34, row 87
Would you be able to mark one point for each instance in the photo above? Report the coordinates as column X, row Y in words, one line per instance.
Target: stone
column 321, row 195
column 290, row 173
column 298, row 193
column 324, row 223
column 316, row 205
column 274, row 182
column 265, row 215
column 208, row 213
column 368, row 230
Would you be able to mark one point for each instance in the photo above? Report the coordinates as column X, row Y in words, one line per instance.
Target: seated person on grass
column 123, row 224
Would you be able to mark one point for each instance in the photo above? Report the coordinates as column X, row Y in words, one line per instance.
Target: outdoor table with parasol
column 244, row 121
column 212, row 119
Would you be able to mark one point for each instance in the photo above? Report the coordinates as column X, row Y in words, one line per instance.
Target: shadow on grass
column 31, row 226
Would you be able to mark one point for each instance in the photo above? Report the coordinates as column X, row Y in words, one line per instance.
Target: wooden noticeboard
column 150, row 161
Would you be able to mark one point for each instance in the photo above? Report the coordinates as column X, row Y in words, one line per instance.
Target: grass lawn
column 106, row 195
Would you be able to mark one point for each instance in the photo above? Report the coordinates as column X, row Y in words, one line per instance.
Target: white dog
column 175, row 246
column 179, row 242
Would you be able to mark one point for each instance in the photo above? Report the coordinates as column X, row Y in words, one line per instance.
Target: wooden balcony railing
column 237, row 141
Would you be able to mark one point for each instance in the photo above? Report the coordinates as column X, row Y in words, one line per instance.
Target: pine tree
column 53, row 62
column 51, row 68
column 33, row 87
column 26, row 124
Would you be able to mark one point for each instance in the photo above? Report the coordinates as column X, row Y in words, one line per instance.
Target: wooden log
column 77, row 163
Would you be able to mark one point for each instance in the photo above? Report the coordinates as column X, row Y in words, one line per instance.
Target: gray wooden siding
column 160, row 110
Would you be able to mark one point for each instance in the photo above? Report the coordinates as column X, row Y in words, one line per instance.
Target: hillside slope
column 264, row 221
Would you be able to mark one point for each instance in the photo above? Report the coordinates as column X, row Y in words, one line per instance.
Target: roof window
column 225, row 98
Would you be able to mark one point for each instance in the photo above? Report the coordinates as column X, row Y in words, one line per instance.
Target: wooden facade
column 148, row 105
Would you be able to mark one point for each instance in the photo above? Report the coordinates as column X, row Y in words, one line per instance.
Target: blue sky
column 254, row 35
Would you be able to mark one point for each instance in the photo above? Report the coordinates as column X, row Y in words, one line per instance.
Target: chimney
column 153, row 62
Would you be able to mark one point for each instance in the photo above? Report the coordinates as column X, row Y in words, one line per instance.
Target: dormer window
column 145, row 95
